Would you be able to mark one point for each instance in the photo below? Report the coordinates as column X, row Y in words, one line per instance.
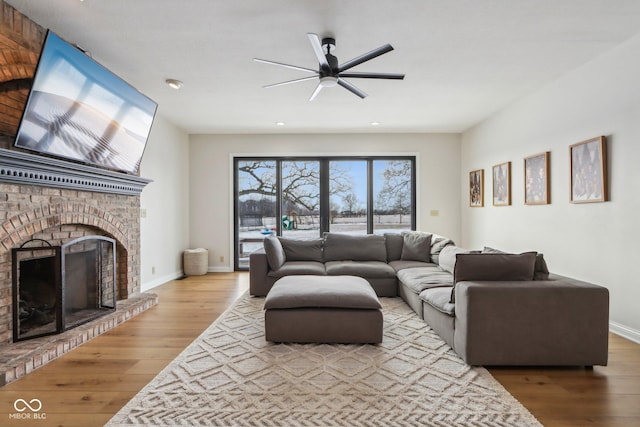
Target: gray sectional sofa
column 491, row 307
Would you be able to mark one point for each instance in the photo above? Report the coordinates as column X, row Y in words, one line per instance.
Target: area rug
column 230, row 376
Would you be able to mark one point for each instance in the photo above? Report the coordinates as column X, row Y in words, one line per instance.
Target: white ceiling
column 463, row 59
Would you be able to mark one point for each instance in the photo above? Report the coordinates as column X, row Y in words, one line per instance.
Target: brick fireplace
column 59, row 201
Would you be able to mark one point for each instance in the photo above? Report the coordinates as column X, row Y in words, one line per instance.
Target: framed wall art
column 476, row 188
column 536, row 179
column 589, row 171
column 502, row 184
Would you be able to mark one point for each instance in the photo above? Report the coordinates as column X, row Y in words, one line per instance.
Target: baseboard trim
column 161, row 281
column 625, row 332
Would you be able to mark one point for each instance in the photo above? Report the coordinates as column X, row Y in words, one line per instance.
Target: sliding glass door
column 302, row 198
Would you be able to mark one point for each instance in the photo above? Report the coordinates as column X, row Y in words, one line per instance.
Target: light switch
column 435, row 212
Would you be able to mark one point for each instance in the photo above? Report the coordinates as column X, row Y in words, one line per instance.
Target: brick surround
column 59, row 215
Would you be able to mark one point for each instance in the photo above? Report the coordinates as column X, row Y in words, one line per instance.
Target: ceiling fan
column 330, row 72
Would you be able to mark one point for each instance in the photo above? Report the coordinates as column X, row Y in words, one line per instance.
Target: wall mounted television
column 78, row 110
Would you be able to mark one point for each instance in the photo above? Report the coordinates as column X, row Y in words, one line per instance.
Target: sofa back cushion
column 302, row 250
column 345, row 247
column 493, row 266
column 541, row 271
column 416, row 246
column 393, row 242
column 275, row 252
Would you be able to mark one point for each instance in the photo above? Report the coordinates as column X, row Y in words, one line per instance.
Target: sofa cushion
column 299, row 268
column 419, row 279
column 302, row 250
column 493, row 266
column 541, row 271
column 393, row 242
column 275, row 253
column 368, row 269
column 438, row 298
column 402, row 265
column 312, row 291
column 447, row 258
column 437, row 244
column 416, row 246
column 344, row 247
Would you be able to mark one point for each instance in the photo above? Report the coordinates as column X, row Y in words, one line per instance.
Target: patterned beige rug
column 230, row 376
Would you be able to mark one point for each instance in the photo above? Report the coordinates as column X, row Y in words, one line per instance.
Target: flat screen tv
column 79, row 110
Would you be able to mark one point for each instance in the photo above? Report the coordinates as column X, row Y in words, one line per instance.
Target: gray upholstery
column 541, row 271
column 323, row 309
column 342, row 247
column 561, row 321
column 322, row 291
column 416, row 246
column 275, row 252
column 299, row 267
column 302, row 250
column 557, row 321
column 360, row 268
column 447, row 258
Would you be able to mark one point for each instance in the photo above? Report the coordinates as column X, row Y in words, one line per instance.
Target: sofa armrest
column 258, row 268
column 560, row 321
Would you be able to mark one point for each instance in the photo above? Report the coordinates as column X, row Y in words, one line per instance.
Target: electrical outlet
column 153, row 270
column 143, row 213
column 222, row 258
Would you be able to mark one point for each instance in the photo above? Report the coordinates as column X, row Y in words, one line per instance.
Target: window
column 302, row 198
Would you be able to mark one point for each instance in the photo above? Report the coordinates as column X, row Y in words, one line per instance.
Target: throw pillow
column 416, row 246
column 493, row 266
column 302, row 250
column 437, row 244
column 541, row 271
column 447, row 258
column 274, row 251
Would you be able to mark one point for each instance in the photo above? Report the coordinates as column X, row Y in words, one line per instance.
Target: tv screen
column 79, row 110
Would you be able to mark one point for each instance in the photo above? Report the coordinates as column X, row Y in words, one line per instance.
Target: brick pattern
column 59, row 215
column 20, row 44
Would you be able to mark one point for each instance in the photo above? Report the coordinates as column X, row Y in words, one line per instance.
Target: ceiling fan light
column 328, row 81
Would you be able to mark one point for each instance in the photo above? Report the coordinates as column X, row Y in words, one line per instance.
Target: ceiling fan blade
column 317, row 49
column 316, row 92
column 366, row 57
column 293, row 67
column 372, row 76
column 345, row 84
column 291, row 81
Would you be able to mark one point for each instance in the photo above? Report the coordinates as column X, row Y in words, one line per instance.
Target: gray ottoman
column 323, row 309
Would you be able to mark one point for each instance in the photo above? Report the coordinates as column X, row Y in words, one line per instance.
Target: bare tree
column 395, row 195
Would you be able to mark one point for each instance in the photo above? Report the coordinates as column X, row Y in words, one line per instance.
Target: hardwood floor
column 87, row 386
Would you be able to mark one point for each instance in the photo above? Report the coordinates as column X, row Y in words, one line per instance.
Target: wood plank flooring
column 90, row 384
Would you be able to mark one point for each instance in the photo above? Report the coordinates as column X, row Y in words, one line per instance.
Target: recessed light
column 279, row 123
column 173, row 83
column 375, row 123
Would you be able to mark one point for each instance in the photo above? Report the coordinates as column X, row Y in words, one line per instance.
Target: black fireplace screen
column 56, row 288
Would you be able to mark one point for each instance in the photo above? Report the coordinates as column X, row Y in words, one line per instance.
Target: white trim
column 160, row 281
column 624, row 331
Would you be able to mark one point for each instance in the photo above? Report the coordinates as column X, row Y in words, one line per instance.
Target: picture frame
column 502, row 184
column 536, row 179
column 589, row 171
column 476, row 188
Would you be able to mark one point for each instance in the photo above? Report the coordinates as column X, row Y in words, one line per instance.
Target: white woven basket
column 195, row 262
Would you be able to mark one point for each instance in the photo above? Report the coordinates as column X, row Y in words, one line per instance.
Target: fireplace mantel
column 24, row 168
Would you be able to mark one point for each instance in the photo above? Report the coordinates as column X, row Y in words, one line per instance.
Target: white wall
column 211, row 178
column 596, row 242
column 164, row 232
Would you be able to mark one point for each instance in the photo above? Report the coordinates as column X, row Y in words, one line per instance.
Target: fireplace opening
column 56, row 288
